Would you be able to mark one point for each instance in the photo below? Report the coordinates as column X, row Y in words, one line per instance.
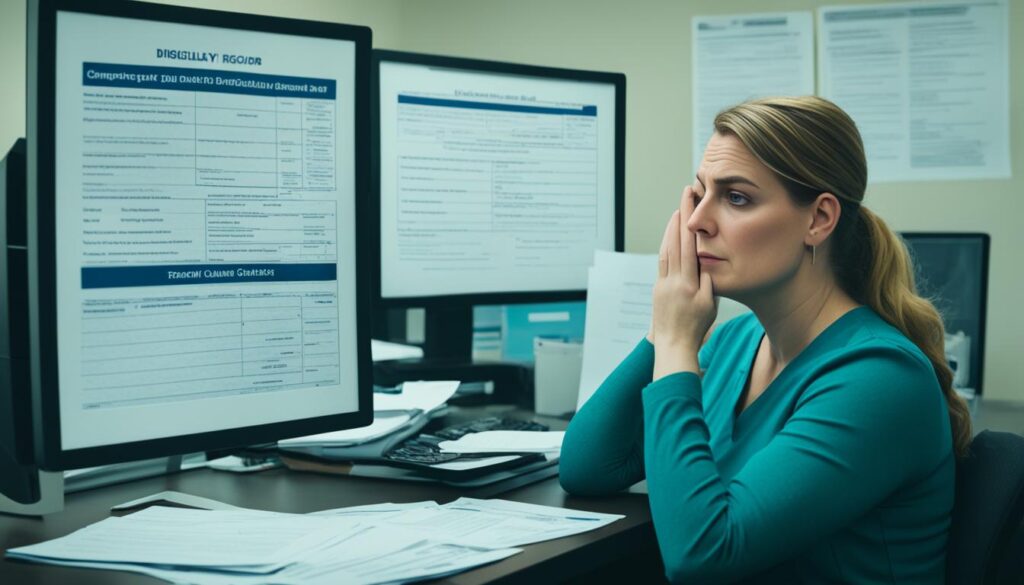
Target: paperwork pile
column 396, row 417
column 387, row 543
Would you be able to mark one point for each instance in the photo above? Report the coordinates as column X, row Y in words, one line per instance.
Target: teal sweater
column 841, row 471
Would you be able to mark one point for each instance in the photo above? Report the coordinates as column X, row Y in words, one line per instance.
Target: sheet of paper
column 619, row 313
column 474, row 463
column 386, row 350
column 371, row 555
column 926, row 83
column 500, row 523
column 374, row 511
column 505, row 441
column 383, row 424
column 425, row 396
column 740, row 57
column 256, row 541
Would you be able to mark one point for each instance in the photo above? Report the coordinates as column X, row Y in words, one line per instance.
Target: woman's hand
column 684, row 302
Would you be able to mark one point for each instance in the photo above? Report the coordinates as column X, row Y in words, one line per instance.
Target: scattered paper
column 363, row 545
column 505, row 442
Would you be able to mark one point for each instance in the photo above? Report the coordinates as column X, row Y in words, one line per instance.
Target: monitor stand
column 44, row 490
column 448, row 334
column 41, row 492
column 448, row 355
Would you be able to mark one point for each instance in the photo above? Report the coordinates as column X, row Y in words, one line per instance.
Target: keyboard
column 423, row 449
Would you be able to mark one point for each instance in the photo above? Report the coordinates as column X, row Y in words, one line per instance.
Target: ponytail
column 888, row 288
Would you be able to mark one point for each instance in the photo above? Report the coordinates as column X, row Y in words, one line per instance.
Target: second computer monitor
column 497, row 181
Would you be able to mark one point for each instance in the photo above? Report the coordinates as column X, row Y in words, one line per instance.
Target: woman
column 815, row 439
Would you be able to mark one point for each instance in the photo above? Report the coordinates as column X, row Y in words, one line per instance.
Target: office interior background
column 649, row 41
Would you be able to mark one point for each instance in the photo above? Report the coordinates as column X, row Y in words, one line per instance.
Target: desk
column 627, row 543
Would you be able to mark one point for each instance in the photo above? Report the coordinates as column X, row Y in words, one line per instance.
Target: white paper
column 386, row 350
column 381, row 543
column 381, row 426
column 505, row 442
column 257, row 541
column 197, row 502
column 367, row 556
column 926, row 83
column 374, row 511
column 740, row 57
column 425, row 396
column 619, row 298
column 500, row 523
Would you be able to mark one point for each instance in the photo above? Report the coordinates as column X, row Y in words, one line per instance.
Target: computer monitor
column 497, row 183
column 195, row 254
column 951, row 270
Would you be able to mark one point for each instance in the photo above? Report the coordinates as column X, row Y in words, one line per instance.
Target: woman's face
column 750, row 234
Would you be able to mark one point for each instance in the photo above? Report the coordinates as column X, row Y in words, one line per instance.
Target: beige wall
column 649, row 41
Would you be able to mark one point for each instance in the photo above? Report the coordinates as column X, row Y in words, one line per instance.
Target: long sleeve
column 862, row 429
column 603, row 447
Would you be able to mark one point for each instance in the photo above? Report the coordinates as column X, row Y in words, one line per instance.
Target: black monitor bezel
column 986, row 244
column 40, row 123
column 618, row 80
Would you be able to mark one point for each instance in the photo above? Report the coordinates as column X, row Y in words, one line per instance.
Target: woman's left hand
column 684, row 302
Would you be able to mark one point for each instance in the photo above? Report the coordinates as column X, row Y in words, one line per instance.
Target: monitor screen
column 951, row 270
column 203, row 237
column 495, row 179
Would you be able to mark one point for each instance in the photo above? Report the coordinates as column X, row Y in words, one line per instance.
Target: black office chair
column 985, row 540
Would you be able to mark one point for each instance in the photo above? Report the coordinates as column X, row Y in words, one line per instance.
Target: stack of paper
column 386, row 543
column 383, row 425
column 506, row 442
column 395, row 416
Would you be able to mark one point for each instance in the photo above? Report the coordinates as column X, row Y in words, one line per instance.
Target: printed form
column 210, row 198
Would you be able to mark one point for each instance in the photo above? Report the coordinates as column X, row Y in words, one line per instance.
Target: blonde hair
column 814, row 147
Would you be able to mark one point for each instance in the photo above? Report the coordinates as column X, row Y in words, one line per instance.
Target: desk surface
column 287, row 491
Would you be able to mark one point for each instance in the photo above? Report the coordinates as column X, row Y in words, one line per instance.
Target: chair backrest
column 989, row 507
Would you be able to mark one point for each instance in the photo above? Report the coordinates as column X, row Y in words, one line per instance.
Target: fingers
column 707, row 287
column 688, row 264
column 668, row 256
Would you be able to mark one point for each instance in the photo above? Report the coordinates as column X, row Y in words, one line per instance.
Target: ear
column 825, row 212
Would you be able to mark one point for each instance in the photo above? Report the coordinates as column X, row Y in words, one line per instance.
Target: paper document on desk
column 619, row 293
column 392, row 413
column 425, row 396
column 506, row 442
column 499, row 523
column 382, row 425
column 243, row 540
column 371, row 555
column 495, row 523
column 221, row 548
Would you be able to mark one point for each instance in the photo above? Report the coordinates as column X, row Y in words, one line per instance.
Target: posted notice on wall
column 741, row 57
column 926, row 83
